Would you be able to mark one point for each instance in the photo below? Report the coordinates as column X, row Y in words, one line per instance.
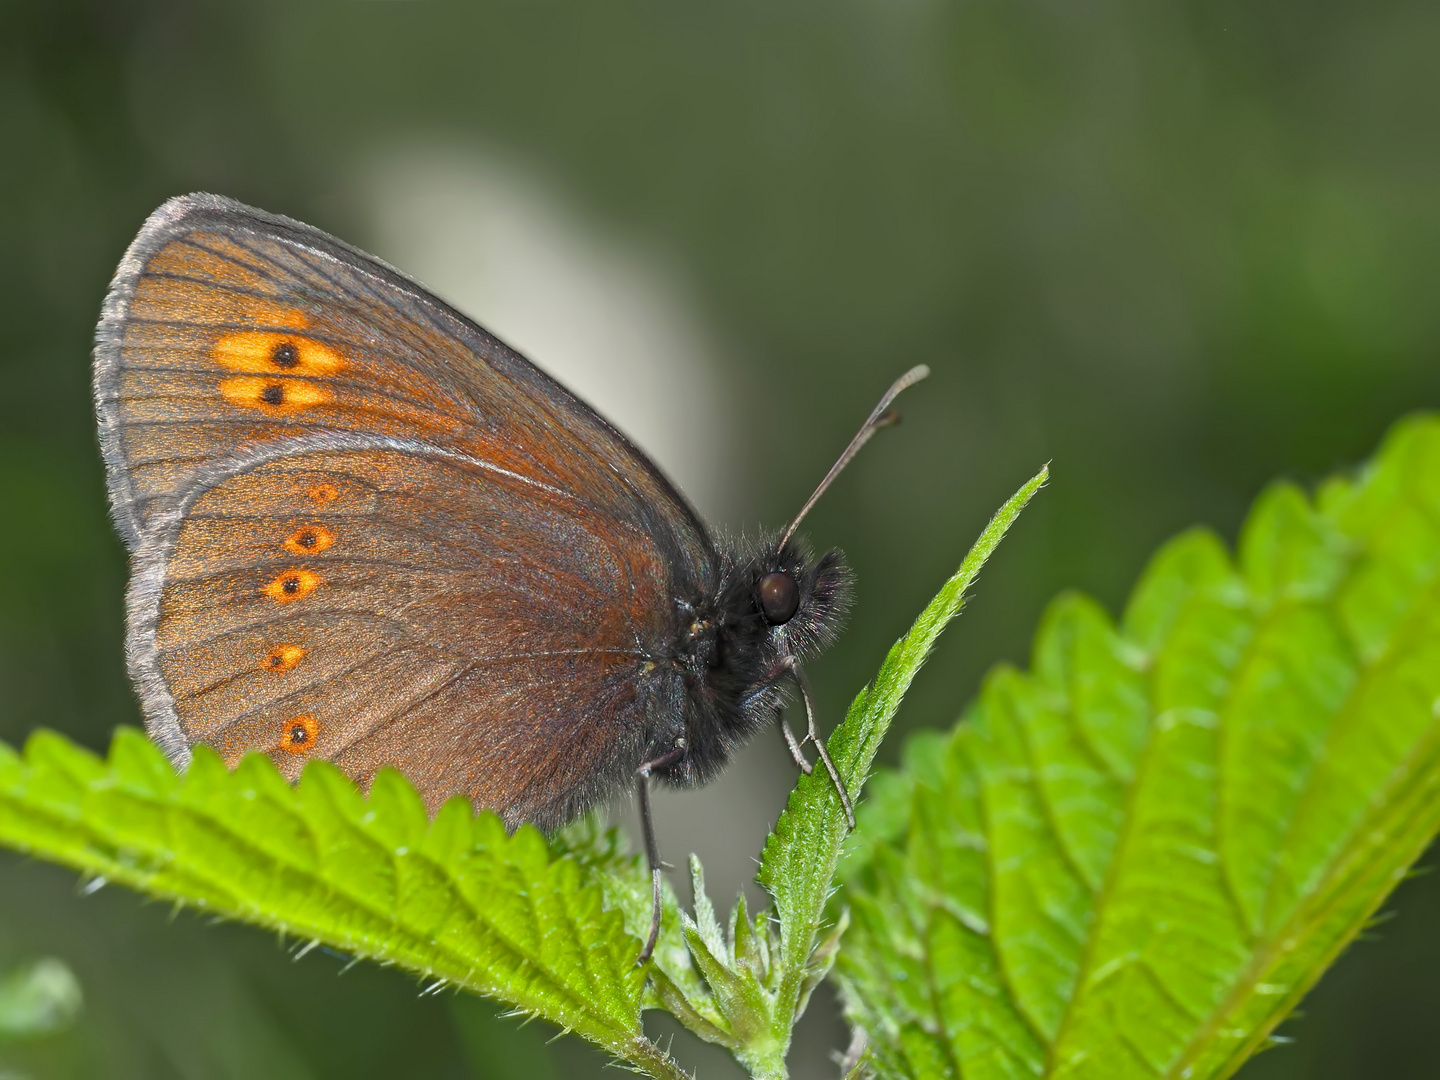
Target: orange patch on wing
column 309, row 539
column 275, row 397
column 323, row 493
column 268, row 352
column 297, row 735
column 283, row 658
column 292, row 585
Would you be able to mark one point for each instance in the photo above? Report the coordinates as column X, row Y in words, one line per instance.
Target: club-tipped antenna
column 881, row 416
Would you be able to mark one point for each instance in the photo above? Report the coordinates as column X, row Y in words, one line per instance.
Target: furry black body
column 735, row 664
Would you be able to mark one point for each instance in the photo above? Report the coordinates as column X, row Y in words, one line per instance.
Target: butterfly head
column 775, row 606
column 796, row 602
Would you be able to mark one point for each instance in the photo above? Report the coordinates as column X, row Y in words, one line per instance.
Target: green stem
column 800, row 857
column 765, row 1062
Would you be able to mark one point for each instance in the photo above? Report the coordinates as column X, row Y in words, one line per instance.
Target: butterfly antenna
column 881, row 416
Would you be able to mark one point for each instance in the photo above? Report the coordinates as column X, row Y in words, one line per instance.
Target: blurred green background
column 1176, row 248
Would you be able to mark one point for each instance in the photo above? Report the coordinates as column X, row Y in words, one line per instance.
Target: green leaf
column 456, row 900
column 1133, row 860
column 756, row 980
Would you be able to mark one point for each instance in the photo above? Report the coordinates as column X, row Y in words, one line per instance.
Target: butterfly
column 364, row 530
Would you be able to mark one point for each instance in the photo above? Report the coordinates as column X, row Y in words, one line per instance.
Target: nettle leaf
column 747, row 985
column 455, row 900
column 1133, row 860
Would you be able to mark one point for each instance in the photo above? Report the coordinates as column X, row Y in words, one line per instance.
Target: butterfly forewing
column 227, row 327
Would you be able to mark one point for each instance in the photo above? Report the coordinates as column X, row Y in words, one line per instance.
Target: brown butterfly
column 364, row 530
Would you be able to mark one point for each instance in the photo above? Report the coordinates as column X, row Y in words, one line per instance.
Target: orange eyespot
column 283, row 658
column 275, row 397
column 297, row 735
column 323, row 493
column 261, row 352
column 292, row 585
column 309, row 539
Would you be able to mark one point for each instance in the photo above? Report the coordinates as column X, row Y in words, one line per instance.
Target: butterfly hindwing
column 379, row 602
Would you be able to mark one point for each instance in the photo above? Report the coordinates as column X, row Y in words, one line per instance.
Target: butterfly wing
column 365, row 530
column 227, row 327
column 331, row 597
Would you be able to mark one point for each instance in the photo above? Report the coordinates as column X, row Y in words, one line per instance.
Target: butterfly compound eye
column 778, row 596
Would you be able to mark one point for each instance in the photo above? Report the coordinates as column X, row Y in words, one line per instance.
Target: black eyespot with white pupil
column 285, row 355
column 778, row 597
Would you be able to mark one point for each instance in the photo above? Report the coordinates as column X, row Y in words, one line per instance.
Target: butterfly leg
column 812, row 735
column 794, row 746
column 652, row 849
column 791, row 743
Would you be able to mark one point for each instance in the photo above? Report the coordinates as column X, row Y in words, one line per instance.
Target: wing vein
column 190, row 241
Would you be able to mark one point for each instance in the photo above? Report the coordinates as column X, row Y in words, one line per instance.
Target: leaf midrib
column 1380, row 803
column 1304, row 915
column 1206, row 593
column 1262, row 959
column 1367, row 672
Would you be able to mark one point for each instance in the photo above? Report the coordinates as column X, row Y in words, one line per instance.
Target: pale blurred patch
column 609, row 317
column 38, row 999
